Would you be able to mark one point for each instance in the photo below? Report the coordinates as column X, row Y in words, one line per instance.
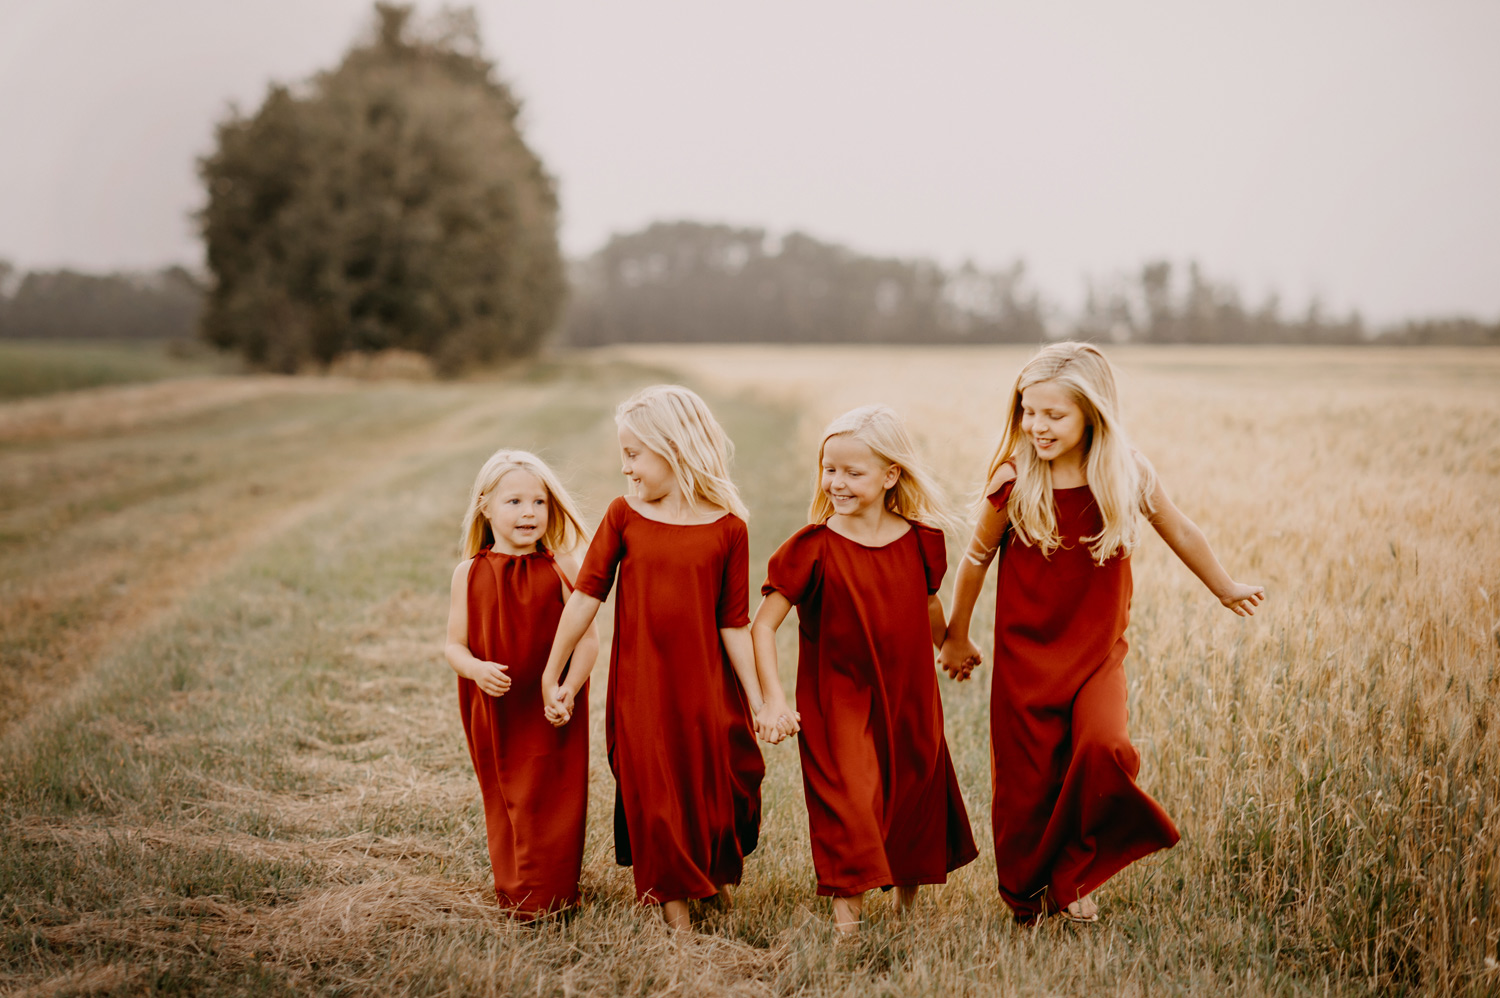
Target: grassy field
column 230, row 760
column 31, row 367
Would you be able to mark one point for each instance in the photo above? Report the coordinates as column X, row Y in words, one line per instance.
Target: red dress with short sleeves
column 1067, row 812
column 883, row 803
column 533, row 777
column 677, row 724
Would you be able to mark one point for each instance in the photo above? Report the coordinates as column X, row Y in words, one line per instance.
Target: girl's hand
column 776, row 721
column 1243, row 599
column 491, row 678
column 958, row 657
column 558, row 706
column 765, row 725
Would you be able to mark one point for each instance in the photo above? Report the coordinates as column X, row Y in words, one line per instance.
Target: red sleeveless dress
column 677, row 724
column 1067, row 812
column 883, row 803
column 533, row 777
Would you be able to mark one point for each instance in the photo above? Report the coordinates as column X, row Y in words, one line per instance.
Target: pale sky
column 1344, row 148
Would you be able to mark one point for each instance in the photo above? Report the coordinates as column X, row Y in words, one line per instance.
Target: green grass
column 255, row 782
column 31, row 367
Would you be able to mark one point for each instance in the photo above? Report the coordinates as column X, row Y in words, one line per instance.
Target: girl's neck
column 672, row 507
column 1068, row 470
column 874, row 527
column 502, row 546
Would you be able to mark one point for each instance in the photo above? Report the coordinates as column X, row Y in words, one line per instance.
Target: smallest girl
column 883, row 804
column 507, row 596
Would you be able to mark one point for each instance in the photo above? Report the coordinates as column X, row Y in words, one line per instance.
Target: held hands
column 558, row 706
column 776, row 721
column 1243, row 599
column 958, row 657
column 491, row 678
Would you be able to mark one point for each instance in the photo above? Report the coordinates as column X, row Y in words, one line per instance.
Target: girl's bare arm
column 936, row 621
column 959, row 655
column 586, row 651
column 742, row 658
column 491, row 677
column 776, row 720
column 1187, row 542
column 576, row 621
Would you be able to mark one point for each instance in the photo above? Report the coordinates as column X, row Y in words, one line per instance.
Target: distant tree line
column 1162, row 303
column 66, row 304
column 1453, row 331
column 689, row 282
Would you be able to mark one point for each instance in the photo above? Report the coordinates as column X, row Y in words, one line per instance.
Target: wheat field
column 231, row 763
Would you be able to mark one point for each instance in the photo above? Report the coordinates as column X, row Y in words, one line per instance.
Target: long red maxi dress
column 883, row 802
column 1067, row 813
column 533, row 777
column 677, row 724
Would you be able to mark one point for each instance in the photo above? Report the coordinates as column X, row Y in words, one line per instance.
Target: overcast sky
column 1344, row 148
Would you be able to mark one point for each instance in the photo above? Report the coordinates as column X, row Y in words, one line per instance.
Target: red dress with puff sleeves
column 533, row 777
column 677, row 724
column 1067, row 812
column 883, row 802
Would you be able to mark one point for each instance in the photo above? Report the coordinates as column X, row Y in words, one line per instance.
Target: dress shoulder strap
column 567, row 582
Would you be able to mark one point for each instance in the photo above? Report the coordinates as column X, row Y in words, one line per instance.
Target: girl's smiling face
column 1051, row 420
column 852, row 477
column 518, row 511
column 647, row 470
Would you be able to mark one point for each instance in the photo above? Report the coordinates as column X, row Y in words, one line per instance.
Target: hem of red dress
column 921, row 880
column 523, row 912
column 1048, row 902
column 656, row 899
column 1092, row 884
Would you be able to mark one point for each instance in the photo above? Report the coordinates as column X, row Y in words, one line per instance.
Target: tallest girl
column 1064, row 490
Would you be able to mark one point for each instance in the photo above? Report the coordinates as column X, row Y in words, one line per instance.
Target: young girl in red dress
column 883, row 803
column 682, row 684
column 507, row 597
column 1064, row 487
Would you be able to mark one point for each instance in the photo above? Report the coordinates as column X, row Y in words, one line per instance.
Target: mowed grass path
column 231, row 762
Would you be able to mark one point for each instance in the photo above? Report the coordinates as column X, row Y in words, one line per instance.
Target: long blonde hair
column 1121, row 481
column 674, row 422
column 915, row 496
column 564, row 523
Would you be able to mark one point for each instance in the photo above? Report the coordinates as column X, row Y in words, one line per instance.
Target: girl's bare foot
column 846, row 913
column 906, row 898
column 675, row 914
column 1085, row 909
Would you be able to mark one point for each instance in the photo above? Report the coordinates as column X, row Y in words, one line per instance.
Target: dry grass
column 247, row 776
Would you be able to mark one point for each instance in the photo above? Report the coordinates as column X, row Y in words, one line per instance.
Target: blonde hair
column 674, row 422
column 915, row 496
column 1121, row 481
column 564, row 523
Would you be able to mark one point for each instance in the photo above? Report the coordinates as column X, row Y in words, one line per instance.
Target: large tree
column 389, row 202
